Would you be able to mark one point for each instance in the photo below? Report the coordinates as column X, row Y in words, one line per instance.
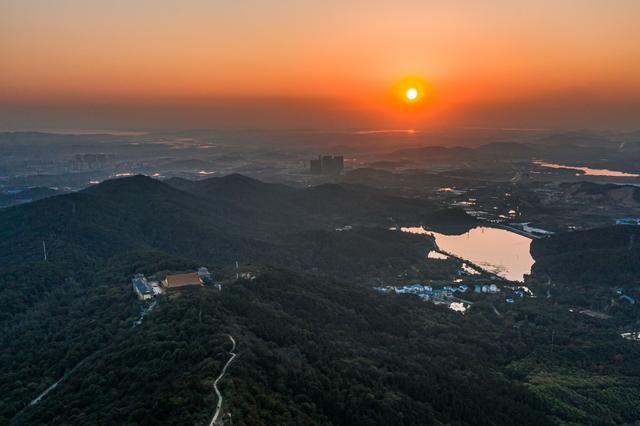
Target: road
column 55, row 385
column 78, row 365
column 516, row 178
column 215, row 384
column 67, row 374
column 517, row 231
column 498, row 314
column 457, row 299
column 49, row 389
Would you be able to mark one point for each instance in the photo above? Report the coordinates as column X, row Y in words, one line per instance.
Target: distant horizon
column 357, row 131
column 569, row 113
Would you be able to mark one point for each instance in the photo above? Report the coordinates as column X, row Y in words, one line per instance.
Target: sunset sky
column 334, row 64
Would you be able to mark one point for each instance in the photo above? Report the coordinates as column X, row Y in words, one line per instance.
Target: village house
column 490, row 288
column 628, row 221
column 246, row 276
column 141, row 287
column 629, row 299
column 413, row 288
column 155, row 287
column 204, row 274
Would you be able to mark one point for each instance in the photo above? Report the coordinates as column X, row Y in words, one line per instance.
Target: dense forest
column 600, row 256
column 316, row 344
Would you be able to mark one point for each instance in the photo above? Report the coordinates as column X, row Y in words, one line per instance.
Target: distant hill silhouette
column 28, row 195
column 237, row 217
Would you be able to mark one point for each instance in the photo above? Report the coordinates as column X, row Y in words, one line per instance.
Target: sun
column 411, row 94
column 411, row 91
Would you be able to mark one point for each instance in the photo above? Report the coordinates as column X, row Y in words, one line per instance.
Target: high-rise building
column 316, row 166
column 327, row 164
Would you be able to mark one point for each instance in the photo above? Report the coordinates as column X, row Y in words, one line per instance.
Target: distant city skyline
column 322, row 65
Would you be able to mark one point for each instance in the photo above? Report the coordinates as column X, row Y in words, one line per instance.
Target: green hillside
column 316, row 343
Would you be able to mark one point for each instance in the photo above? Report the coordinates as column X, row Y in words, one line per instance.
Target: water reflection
column 586, row 170
column 497, row 250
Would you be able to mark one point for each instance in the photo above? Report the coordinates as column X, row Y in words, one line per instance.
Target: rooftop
column 180, row 280
column 142, row 286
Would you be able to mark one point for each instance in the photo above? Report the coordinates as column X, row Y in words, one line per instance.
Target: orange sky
column 340, row 59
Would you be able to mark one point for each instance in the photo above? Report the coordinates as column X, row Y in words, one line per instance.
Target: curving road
column 215, row 384
column 55, row 385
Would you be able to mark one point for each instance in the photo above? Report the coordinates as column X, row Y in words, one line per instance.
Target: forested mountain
column 602, row 194
column 604, row 256
column 312, row 352
column 304, row 208
column 137, row 213
column 28, row 195
column 215, row 220
column 316, row 344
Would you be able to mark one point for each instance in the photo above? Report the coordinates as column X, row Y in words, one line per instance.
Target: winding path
column 55, row 385
column 144, row 313
column 42, row 395
column 215, row 384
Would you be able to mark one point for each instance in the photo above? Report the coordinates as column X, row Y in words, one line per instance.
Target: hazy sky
column 255, row 63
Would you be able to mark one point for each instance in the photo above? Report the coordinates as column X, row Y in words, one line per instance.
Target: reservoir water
column 496, row 250
column 587, row 170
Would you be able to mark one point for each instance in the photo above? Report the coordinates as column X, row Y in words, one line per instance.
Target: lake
column 496, row 250
column 587, row 170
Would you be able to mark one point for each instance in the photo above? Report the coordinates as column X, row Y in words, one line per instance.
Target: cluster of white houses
column 635, row 221
column 146, row 290
column 447, row 294
column 428, row 293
